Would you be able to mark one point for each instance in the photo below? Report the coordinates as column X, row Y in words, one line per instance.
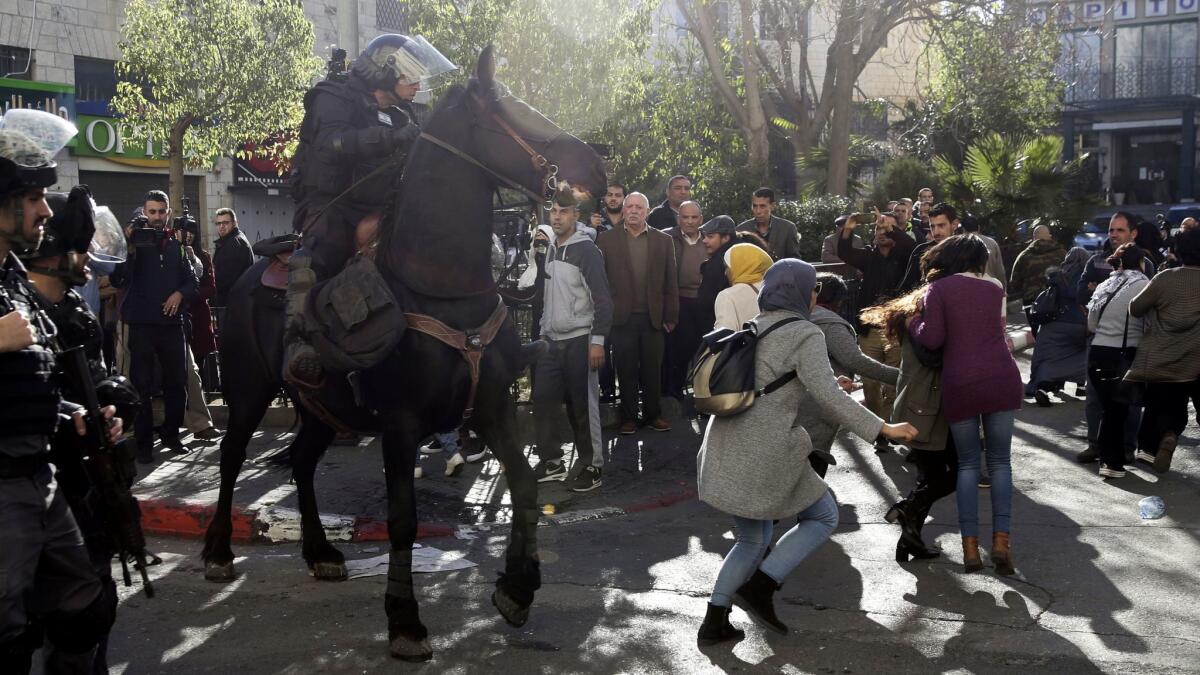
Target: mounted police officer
column 356, row 132
column 48, row 579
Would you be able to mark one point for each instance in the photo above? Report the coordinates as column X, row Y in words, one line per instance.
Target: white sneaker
column 417, row 472
column 432, row 447
column 1106, row 472
column 1143, row 456
column 483, row 451
column 454, row 465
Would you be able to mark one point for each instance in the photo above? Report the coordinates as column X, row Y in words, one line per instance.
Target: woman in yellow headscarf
column 745, row 265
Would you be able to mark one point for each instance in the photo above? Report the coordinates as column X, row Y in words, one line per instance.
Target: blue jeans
column 997, row 429
column 813, row 527
column 449, row 441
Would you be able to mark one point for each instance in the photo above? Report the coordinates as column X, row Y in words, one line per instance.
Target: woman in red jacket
column 200, row 333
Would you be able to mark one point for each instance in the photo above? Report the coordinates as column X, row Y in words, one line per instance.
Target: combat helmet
column 392, row 58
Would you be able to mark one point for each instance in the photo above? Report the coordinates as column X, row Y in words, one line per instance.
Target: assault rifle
column 110, row 476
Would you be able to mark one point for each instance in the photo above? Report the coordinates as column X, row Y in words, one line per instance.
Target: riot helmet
column 392, row 58
column 75, row 232
column 29, row 139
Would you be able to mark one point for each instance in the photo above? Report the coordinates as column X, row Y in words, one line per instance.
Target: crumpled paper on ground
column 425, row 559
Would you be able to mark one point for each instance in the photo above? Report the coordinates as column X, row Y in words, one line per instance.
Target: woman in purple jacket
column 981, row 385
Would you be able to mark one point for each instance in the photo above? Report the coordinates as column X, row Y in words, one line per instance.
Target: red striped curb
column 174, row 518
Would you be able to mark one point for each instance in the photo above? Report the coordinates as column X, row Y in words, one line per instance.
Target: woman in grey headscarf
column 1060, row 353
column 754, row 466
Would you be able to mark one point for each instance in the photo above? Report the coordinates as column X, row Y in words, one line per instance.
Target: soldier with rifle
column 49, row 581
column 94, row 475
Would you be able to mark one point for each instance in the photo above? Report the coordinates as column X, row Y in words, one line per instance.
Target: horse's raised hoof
column 408, row 649
column 219, row 572
column 512, row 611
column 328, row 571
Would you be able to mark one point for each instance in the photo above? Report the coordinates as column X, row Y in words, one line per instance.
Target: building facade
column 1130, row 68
column 58, row 56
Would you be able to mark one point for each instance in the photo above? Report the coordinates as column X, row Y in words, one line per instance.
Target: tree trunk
column 175, row 159
column 756, row 120
column 838, row 182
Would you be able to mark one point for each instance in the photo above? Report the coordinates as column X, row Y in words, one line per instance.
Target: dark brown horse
column 435, row 251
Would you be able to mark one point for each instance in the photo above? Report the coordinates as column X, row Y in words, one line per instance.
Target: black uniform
column 48, row 577
column 343, row 139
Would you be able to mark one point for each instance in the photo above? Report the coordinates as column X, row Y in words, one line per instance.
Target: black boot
column 755, row 597
column 716, row 627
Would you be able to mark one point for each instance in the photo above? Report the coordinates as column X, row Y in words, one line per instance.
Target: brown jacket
column 1170, row 348
column 662, row 277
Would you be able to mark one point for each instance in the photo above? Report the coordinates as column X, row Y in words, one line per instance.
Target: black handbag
column 1123, row 391
column 210, row 373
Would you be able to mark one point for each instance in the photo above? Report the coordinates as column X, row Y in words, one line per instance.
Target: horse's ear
column 485, row 69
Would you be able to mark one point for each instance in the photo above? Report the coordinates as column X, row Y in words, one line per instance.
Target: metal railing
column 1140, row 78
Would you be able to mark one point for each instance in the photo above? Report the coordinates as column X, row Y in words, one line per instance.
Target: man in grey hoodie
column 576, row 316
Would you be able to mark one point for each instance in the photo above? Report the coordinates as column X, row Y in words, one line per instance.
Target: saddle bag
column 722, row 371
column 353, row 319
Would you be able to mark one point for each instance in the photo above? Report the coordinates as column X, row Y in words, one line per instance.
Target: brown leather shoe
column 660, row 425
column 1166, row 450
column 628, row 428
column 1002, row 554
column 971, row 560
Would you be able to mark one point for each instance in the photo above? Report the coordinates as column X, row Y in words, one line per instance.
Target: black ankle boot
column 755, row 596
column 716, row 627
column 911, row 518
column 905, row 550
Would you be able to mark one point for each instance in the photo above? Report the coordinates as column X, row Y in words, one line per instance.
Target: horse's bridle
column 540, row 163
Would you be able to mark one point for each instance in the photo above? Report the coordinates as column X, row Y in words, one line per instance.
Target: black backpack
column 722, row 371
column 1048, row 304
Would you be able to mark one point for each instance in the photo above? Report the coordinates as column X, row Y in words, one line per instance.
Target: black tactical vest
column 29, row 393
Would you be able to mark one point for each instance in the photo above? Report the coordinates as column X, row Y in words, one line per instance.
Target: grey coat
column 919, row 399
column 847, row 359
column 844, row 354
column 755, row 465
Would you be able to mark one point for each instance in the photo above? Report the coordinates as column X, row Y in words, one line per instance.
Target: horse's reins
column 470, row 344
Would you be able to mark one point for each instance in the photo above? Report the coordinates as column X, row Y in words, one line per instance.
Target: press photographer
column 160, row 284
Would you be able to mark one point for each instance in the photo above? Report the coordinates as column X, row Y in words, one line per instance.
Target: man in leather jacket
column 355, row 134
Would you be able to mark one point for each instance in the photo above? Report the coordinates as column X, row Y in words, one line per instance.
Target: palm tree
column 1006, row 179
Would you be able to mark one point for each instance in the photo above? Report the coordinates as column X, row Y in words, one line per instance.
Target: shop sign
column 54, row 98
column 105, row 137
column 258, row 172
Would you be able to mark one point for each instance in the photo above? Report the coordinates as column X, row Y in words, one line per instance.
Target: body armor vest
column 29, row 393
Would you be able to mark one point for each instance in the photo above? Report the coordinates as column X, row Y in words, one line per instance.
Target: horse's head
column 513, row 140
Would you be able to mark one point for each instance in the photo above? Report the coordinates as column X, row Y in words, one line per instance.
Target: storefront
column 120, row 174
column 261, row 199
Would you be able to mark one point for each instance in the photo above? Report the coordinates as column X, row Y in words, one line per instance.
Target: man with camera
column 48, row 578
column 160, row 284
column 357, row 128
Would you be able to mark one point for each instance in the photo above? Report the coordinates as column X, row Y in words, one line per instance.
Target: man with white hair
column 644, row 282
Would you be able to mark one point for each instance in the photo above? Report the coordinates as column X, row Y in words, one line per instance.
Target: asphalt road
column 1099, row 590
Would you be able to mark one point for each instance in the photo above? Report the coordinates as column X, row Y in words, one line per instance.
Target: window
column 95, row 85
column 1079, row 65
column 16, row 63
column 774, row 15
column 1155, row 60
column 389, row 15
